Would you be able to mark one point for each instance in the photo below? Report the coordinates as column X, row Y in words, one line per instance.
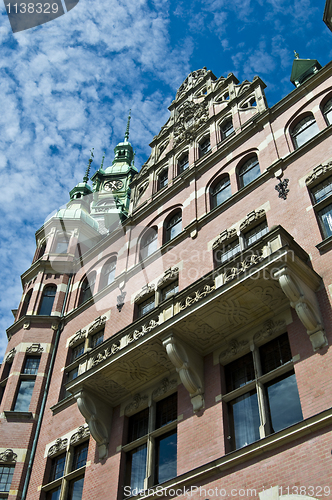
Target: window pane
column 249, row 171
column 174, row 226
column 57, row 467
column 24, row 395
column 62, row 245
column 328, row 111
column 54, row 494
column 80, row 455
column 227, row 129
column 239, row 372
column 245, row 420
column 323, row 190
column 325, row 217
column 31, row 365
column 169, row 290
column 97, row 338
column 149, row 243
column 256, row 233
column 6, row 476
column 145, row 307
column 224, row 254
column 166, row 448
column 166, row 410
column 108, row 273
column 163, row 179
column 221, row 192
column 305, row 130
column 138, row 425
column 71, row 375
column 76, row 352
column 26, row 303
column 284, row 401
column 183, row 163
column 48, row 297
column 76, row 489
column 204, row 147
column 136, row 466
column 275, row 353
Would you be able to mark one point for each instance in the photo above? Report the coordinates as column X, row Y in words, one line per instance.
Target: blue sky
column 66, row 86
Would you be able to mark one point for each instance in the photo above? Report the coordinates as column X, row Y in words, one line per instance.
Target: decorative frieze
column 146, row 290
column 196, row 296
column 82, row 433
column 10, row 355
column 270, row 327
column 98, row 322
column 224, row 238
column 252, row 218
column 169, row 275
column 235, row 347
column 191, row 116
column 319, row 173
column 106, row 353
column 59, row 445
column 165, row 387
column 242, row 266
column 34, row 349
column 136, row 403
column 80, row 335
column 8, row 456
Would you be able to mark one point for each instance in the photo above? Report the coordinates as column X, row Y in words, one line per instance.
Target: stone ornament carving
column 270, row 327
column 191, row 116
column 245, row 85
column 319, row 172
column 141, row 190
column 26, row 325
column 97, row 415
column 121, row 300
column 80, row 335
column 224, row 238
column 243, row 266
column 59, row 445
column 189, row 366
column 198, row 295
column 34, row 349
column 82, row 433
column 10, row 355
column 137, row 402
column 192, row 80
column 251, row 218
column 146, row 290
column 106, row 353
column 235, row 347
column 165, row 386
column 146, row 328
column 8, row 456
column 282, row 188
column 304, row 301
column 169, row 275
column 98, row 322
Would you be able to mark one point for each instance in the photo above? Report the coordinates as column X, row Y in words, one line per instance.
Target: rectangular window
column 71, row 375
column 80, row 455
column 54, row 494
column 31, row 365
column 24, row 395
column 256, row 233
column 322, row 190
column 275, row 403
column 146, row 306
column 76, row 489
column 226, row 253
column 170, row 290
column 325, row 217
column 57, row 467
column 6, row 476
column 156, row 451
column 76, row 352
column 97, row 338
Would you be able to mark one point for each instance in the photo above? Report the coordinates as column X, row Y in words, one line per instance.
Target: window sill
column 325, row 245
column 61, row 405
column 21, row 415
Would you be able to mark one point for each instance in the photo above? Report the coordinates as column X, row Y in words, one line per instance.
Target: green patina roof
column 303, row 69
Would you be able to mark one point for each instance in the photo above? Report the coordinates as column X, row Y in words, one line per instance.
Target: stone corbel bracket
column 304, row 301
column 98, row 417
column 189, row 366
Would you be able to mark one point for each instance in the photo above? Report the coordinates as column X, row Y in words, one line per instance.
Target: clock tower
column 111, row 191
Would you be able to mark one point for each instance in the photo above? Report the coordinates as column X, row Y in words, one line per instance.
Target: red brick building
column 174, row 333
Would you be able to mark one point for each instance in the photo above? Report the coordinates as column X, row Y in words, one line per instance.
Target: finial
column 102, row 161
column 296, row 55
column 87, row 173
column 133, row 163
column 127, row 129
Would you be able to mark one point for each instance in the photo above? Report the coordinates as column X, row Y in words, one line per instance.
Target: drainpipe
column 47, row 386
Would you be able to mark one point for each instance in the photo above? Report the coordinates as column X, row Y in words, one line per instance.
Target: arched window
column 47, row 300
column 87, row 287
column 204, row 146
column 163, row 179
column 327, row 112
column 183, row 163
column 173, row 226
column 220, row 191
column 107, row 273
column 149, row 243
column 226, row 129
column 304, row 130
column 249, row 171
column 62, row 243
column 26, row 302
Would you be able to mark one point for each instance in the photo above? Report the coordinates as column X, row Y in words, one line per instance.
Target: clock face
column 113, row 185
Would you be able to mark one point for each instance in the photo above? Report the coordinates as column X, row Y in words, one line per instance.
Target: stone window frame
column 26, row 302
column 240, row 166
column 204, row 145
column 152, row 434
column 67, row 447
column 167, row 227
column 85, row 280
column 59, row 238
column 213, row 186
column 142, row 242
column 297, row 122
column 8, row 460
column 318, row 176
column 46, row 287
column 182, row 166
column 24, row 376
column 162, row 171
column 238, row 348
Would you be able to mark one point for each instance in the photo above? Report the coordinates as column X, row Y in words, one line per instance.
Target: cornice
column 29, row 321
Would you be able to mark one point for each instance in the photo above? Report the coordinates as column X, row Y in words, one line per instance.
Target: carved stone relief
column 319, row 173
column 80, row 335
column 235, row 347
column 192, row 80
column 165, row 386
column 82, row 433
column 10, row 355
column 8, row 456
column 190, row 117
column 136, row 403
column 146, row 290
column 98, row 322
column 59, row 445
column 169, row 275
column 34, row 349
column 270, row 327
column 224, row 237
column 251, row 218
column 197, row 296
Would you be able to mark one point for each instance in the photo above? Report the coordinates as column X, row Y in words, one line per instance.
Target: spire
column 296, row 55
column 126, row 137
column 87, row 173
column 102, row 162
